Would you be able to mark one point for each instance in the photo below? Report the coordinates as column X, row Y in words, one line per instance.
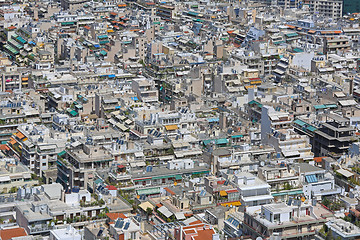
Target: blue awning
column 211, row 120
column 112, row 76
column 135, row 98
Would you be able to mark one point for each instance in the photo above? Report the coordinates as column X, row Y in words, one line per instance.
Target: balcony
column 40, row 229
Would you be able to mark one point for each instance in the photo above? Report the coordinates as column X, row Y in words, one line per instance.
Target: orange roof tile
column 114, row 216
column 318, row 159
column 169, row 191
column 159, row 205
column 3, row 147
column 8, row 234
column 204, row 234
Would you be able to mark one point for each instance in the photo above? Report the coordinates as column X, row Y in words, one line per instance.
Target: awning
column 20, row 135
column 148, row 191
column 311, row 178
column 180, row 216
column 171, row 127
column 146, row 205
column 223, row 193
column 164, row 211
column 5, row 179
column 139, row 154
column 229, row 204
column 12, row 142
column 345, row 173
column 61, row 153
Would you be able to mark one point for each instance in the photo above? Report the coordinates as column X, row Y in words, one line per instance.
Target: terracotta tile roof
column 169, row 191
column 8, row 234
column 205, row 234
column 114, row 216
column 111, row 187
column 318, row 159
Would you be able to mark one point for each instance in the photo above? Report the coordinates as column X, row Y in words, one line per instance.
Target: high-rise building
column 327, row 8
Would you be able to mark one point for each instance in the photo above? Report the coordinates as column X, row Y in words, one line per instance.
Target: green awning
column 62, row 153
column 104, row 42
column 296, row 192
column 102, row 36
column 311, row 128
column 20, row 39
column 317, row 107
column 98, row 181
column 221, row 141
column 161, row 177
column 156, row 23
column 291, row 34
column 300, row 122
column 72, row 112
column 103, row 52
column 192, row 13
column 331, row 105
column 237, row 136
column 148, row 191
column 178, row 177
column 278, row 42
column 67, row 23
column 255, row 102
column 201, row 172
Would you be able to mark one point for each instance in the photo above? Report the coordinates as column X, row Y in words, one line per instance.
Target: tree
column 329, row 235
column 149, row 211
column 326, row 202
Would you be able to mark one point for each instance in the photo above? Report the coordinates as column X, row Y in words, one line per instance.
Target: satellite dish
column 53, row 224
column 65, row 222
column 258, row 238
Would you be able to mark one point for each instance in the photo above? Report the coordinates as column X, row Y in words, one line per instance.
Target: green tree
column 149, row 211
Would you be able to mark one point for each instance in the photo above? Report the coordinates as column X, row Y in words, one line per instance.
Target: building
column 77, row 166
column 316, row 182
column 281, row 220
column 68, row 233
column 253, row 191
column 331, row 9
column 343, row 230
column 334, row 136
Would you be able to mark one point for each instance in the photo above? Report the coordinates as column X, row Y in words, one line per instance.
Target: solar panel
column 289, row 202
column 126, row 226
column 202, row 193
column 100, row 232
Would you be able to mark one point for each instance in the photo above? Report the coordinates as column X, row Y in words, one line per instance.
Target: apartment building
column 285, row 221
column 37, row 146
column 332, row 9
column 253, row 191
column 334, row 137
column 77, row 166
column 316, row 182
